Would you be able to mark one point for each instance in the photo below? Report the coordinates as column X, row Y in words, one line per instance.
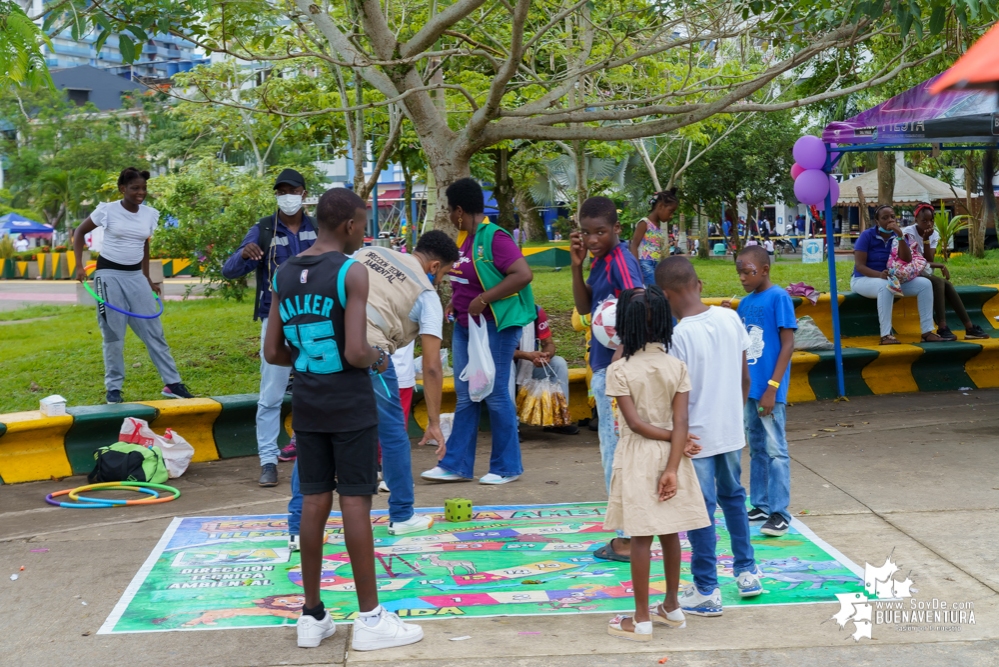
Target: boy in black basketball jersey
column 317, row 324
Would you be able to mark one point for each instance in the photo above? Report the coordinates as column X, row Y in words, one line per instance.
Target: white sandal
column 659, row 615
column 641, row 633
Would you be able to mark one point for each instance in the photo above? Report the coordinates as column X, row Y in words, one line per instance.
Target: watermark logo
column 889, row 602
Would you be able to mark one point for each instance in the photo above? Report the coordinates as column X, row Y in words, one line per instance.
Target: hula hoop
column 99, row 299
column 84, row 499
column 74, row 494
column 94, row 503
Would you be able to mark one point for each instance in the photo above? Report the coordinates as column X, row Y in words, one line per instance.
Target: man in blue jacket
column 267, row 245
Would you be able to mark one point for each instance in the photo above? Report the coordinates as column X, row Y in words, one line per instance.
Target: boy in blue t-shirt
column 614, row 268
column 768, row 314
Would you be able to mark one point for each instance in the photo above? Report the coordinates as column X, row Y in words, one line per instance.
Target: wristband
column 381, row 359
column 774, row 384
column 484, row 302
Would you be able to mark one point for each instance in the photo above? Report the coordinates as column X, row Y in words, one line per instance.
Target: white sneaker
column 414, row 524
column 293, row 543
column 496, row 479
column 388, row 633
column 311, row 632
column 382, row 486
column 693, row 602
column 438, row 474
column 749, row 583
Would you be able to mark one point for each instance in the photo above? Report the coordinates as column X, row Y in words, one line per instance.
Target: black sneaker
column 268, row 474
column 571, row 429
column 975, row 332
column 946, row 333
column 176, row 390
column 113, row 396
column 756, row 514
column 594, row 424
column 775, row 526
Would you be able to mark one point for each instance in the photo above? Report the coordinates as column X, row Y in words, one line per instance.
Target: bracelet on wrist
column 381, row 359
column 774, row 384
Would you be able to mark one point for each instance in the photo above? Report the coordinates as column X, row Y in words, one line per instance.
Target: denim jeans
column 605, row 426
column 769, row 464
column 720, row 477
column 648, row 267
column 295, row 504
column 460, row 458
column 273, row 383
column 877, row 288
column 397, row 467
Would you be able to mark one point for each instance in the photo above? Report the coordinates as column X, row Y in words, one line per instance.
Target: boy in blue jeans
column 768, row 314
column 713, row 343
column 614, row 269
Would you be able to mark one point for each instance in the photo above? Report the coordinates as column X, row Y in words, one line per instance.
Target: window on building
column 77, row 96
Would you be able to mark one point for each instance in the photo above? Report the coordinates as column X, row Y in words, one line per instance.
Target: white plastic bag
column 480, row 372
column 177, row 452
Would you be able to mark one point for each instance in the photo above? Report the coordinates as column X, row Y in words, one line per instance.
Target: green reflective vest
column 516, row 310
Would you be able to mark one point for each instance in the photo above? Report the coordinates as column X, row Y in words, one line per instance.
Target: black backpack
column 265, row 234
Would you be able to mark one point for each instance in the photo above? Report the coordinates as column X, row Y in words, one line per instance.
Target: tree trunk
column 503, row 189
column 407, row 179
column 445, row 170
column 531, row 224
column 976, row 229
column 886, row 178
column 581, row 179
column 703, row 227
column 681, row 237
column 988, row 216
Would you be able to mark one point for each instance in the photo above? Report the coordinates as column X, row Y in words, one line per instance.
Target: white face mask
column 289, row 204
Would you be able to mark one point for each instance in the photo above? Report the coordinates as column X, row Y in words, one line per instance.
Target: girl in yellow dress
column 654, row 488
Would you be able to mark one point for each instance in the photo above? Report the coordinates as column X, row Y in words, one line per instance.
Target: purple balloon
column 810, row 152
column 833, row 189
column 811, row 187
column 796, row 170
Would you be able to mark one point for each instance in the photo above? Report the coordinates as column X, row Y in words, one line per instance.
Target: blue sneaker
column 749, row 583
column 694, row 602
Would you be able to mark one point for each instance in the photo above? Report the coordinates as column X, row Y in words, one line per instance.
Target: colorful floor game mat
column 514, row 560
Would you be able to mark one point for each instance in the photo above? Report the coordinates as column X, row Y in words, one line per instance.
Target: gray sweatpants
column 129, row 290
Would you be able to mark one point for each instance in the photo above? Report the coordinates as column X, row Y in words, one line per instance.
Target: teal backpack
column 124, row 462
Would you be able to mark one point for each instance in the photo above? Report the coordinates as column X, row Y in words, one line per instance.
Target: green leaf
column 973, row 8
column 937, row 19
column 101, row 38
column 139, row 33
column 127, row 48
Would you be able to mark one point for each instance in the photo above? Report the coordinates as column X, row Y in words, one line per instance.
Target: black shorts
column 344, row 462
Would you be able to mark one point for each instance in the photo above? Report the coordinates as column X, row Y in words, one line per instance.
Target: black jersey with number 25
column 328, row 394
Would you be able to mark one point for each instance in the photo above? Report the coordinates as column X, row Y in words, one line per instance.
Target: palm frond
column 22, row 62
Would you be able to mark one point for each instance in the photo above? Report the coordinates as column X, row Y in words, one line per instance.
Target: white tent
column 911, row 187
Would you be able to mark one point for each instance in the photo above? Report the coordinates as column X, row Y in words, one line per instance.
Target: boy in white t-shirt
column 712, row 342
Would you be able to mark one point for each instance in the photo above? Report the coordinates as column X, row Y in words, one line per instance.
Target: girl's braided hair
column 923, row 206
column 664, row 197
column 643, row 316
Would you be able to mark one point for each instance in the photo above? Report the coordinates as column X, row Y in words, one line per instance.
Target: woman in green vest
column 491, row 280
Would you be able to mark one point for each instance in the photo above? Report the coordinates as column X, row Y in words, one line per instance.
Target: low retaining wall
column 34, row 447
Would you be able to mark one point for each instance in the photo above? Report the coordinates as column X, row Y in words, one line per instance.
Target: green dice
column 458, row 509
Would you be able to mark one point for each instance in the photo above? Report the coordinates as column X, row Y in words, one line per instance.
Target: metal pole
column 833, row 293
column 374, row 209
column 412, row 222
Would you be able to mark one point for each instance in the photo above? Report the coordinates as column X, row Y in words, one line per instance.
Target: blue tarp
column 12, row 223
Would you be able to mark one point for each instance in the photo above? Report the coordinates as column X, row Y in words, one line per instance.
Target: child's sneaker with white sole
column 312, row 632
column 380, row 629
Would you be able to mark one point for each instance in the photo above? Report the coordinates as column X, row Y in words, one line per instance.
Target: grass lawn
column 216, row 344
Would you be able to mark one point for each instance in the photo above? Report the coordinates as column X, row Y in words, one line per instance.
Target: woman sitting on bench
column 870, row 275
column 926, row 237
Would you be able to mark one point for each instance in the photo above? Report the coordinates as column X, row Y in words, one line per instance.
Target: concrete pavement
column 913, row 475
column 16, row 294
